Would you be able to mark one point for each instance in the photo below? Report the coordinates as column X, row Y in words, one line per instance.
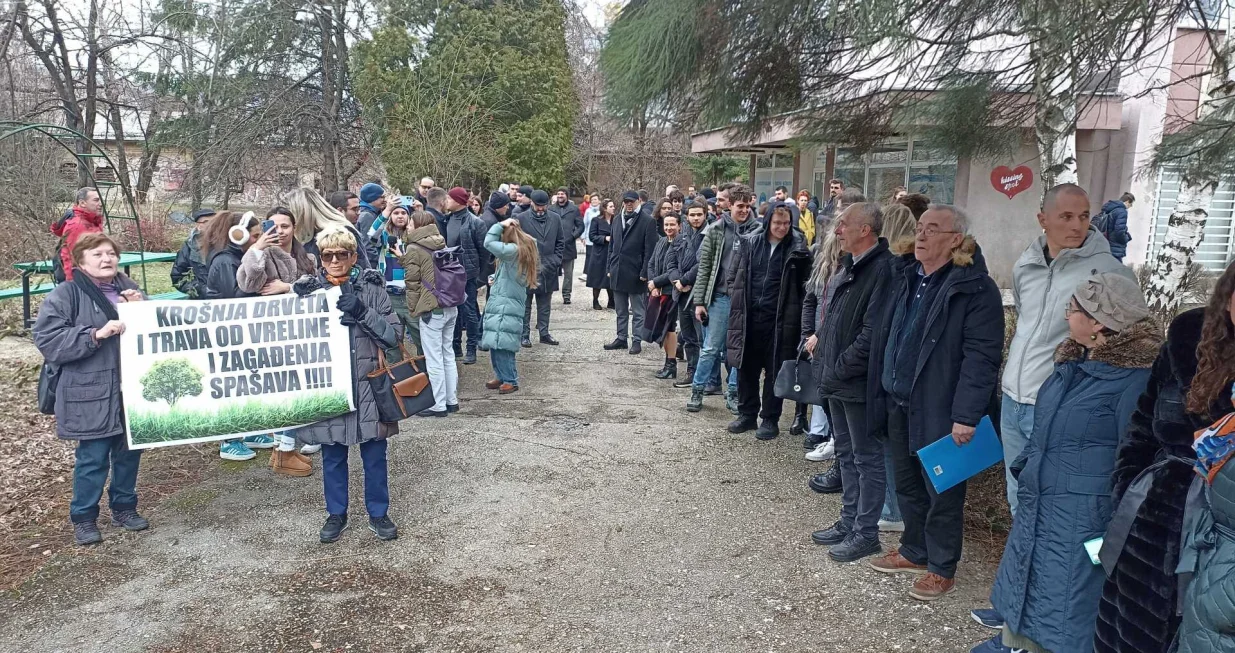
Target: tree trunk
column 1054, row 122
column 1184, row 231
column 1186, row 227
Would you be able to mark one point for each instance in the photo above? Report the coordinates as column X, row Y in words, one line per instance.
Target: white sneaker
column 310, row 449
column 886, row 526
column 823, row 451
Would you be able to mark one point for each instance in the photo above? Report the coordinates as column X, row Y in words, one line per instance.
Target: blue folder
column 948, row 464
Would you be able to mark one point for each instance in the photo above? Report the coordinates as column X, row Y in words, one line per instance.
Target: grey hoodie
column 1042, row 292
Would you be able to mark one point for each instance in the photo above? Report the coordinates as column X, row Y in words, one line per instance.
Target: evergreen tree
column 502, row 65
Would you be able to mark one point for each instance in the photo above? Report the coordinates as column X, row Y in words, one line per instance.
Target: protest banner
column 196, row 371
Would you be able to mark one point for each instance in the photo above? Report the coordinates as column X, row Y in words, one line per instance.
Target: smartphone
column 267, row 225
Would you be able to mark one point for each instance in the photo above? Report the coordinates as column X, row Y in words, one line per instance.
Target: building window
column 1216, row 245
column 908, row 163
column 772, row 170
column 288, row 179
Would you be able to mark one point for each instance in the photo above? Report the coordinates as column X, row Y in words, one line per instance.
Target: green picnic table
column 127, row 261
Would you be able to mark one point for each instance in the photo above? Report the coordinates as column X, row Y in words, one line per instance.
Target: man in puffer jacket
column 1115, row 225
column 1068, row 252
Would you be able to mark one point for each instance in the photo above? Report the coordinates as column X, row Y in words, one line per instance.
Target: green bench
column 43, row 288
column 175, row 294
column 16, row 291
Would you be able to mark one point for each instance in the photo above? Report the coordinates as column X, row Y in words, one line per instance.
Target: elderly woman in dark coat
column 77, row 331
column 1047, row 587
column 1189, row 387
column 371, row 324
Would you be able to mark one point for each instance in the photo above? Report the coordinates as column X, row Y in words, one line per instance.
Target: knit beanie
column 370, row 193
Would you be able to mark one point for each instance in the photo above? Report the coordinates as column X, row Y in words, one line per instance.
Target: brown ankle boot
column 507, row 389
column 493, row 385
column 290, row 463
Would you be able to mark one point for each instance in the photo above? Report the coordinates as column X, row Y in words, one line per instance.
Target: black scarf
column 91, row 289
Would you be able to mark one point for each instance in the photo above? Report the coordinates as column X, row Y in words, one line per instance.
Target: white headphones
column 239, row 234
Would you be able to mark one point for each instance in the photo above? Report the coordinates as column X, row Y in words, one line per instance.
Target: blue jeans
column 504, row 366
column 1015, row 428
column 469, row 318
column 94, row 459
column 334, row 478
column 714, row 344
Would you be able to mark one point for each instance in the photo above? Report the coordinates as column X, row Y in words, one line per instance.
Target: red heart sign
column 1011, row 182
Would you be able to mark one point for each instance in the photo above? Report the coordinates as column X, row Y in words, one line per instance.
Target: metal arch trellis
column 68, row 139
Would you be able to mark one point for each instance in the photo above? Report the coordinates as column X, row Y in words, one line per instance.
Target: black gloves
column 307, row 285
column 351, row 305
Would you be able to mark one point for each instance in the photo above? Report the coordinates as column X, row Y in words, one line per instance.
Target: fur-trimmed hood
column 1133, row 348
column 962, row 257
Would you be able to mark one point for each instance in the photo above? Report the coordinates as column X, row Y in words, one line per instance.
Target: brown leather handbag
column 400, row 389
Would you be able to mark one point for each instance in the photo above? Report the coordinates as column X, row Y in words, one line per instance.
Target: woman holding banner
column 269, row 267
column 224, row 242
column 372, row 325
column 77, row 331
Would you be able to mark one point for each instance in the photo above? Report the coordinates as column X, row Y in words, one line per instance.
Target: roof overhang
column 1101, row 112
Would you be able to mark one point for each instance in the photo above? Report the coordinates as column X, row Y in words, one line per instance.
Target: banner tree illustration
column 196, row 371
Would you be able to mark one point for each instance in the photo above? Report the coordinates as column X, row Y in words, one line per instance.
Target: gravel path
column 585, row 513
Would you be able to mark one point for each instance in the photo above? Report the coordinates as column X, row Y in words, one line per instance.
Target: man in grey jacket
column 1067, row 253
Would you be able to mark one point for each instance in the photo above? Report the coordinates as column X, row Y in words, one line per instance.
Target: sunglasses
column 332, row 257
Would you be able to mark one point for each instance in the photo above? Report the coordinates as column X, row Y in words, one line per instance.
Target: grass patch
column 254, row 415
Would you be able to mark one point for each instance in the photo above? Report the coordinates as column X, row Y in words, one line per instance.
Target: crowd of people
column 1115, row 476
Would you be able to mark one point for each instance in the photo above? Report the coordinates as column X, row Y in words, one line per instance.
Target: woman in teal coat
column 518, row 263
column 1047, row 587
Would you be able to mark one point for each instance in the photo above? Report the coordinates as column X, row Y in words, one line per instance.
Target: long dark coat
column 597, row 269
column 788, row 305
column 547, row 231
column 1137, row 612
column 572, row 228
column 379, row 327
column 1047, row 587
column 629, row 252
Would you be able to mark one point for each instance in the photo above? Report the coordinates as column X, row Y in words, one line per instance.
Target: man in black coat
column 683, row 266
column 766, row 288
column 634, row 239
column 544, row 226
column 572, row 229
column 496, row 210
column 840, row 349
column 935, row 357
column 467, row 232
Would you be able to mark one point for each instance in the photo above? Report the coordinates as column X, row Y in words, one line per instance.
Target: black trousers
column 759, row 358
column 688, row 333
column 934, row 523
column 860, row 456
column 543, row 309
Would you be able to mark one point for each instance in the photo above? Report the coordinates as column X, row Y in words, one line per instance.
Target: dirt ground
column 587, row 512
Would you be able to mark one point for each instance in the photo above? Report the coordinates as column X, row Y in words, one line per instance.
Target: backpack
column 449, row 277
column 1103, row 223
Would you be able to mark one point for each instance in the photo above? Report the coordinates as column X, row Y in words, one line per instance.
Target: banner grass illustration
column 149, row 427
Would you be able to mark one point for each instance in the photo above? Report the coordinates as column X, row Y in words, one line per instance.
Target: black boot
column 596, row 305
column 800, row 423
column 670, row 370
column 680, row 354
column 692, row 360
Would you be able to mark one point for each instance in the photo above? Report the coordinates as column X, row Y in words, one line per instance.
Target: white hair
column 960, row 219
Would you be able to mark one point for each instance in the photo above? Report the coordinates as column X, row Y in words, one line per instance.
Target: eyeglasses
column 930, row 231
column 332, row 257
column 1070, row 309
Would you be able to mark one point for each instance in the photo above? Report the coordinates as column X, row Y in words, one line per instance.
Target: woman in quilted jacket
column 372, row 325
column 437, row 324
column 518, row 265
column 1048, row 587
